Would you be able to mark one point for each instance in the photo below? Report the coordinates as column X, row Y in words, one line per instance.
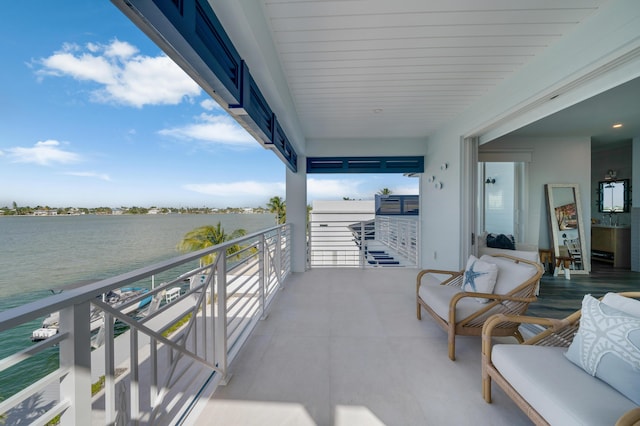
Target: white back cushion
column 510, row 274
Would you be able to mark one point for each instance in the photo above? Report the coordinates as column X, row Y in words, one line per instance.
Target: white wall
column 440, row 208
column 499, row 201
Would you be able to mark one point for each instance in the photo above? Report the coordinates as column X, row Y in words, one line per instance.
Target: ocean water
column 38, row 254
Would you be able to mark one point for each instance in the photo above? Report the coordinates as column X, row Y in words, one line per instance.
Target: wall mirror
column 613, row 196
column 566, row 225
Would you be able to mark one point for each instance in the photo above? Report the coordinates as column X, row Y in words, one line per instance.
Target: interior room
column 565, row 148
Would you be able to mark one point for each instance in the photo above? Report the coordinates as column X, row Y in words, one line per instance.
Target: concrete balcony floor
column 344, row 347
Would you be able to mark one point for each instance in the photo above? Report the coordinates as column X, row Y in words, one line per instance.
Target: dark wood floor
column 559, row 297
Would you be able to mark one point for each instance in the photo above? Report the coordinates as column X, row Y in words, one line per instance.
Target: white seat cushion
column 438, row 298
column 557, row 389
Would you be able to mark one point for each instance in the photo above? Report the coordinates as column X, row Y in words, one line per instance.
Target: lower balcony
column 344, row 347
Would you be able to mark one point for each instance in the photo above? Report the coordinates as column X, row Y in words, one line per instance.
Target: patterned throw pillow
column 607, row 346
column 479, row 277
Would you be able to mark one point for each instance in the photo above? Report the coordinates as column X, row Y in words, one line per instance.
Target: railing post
column 220, row 347
column 309, row 244
column 363, row 234
column 278, row 259
column 263, row 273
column 75, row 356
column 109, row 370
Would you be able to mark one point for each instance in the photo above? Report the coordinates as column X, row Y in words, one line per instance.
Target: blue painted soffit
column 365, row 164
column 198, row 25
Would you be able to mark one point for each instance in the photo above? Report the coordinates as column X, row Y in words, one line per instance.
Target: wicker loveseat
column 461, row 312
column 552, row 389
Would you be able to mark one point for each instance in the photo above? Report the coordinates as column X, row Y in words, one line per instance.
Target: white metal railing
column 335, row 244
column 151, row 373
column 346, row 243
column 400, row 234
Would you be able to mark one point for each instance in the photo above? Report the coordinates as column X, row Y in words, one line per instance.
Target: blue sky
column 94, row 114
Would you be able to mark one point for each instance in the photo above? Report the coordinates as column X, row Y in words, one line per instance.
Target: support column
column 296, row 197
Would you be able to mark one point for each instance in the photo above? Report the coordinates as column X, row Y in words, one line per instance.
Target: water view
column 44, row 253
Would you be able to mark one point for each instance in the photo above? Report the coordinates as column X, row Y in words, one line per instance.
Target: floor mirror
column 566, row 226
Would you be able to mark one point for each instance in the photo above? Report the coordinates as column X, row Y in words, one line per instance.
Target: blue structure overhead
column 365, row 164
column 253, row 104
column 197, row 24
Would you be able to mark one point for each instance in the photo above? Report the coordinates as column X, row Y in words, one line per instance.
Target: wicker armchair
column 466, row 316
column 556, row 333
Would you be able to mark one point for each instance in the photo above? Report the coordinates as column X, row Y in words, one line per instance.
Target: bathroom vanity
column 611, row 244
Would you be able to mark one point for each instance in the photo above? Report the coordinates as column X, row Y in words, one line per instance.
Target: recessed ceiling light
column 617, row 125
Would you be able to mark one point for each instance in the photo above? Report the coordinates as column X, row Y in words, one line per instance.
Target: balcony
column 260, row 345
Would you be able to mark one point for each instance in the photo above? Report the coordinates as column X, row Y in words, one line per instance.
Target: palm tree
column 385, row 191
column 278, row 206
column 209, row 236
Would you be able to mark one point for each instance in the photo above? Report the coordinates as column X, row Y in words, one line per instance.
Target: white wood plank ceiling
column 383, row 68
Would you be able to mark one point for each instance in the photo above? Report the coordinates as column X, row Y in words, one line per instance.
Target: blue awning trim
column 282, row 144
column 253, row 104
column 198, row 25
column 414, row 164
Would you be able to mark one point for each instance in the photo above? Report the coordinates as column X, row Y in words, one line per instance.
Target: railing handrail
column 38, row 308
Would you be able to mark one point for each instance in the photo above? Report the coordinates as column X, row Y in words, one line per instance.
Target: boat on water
column 114, row 298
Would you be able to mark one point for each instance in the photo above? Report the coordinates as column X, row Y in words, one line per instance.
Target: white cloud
column 125, row 76
column 119, row 49
column 246, row 189
column 407, row 189
column 43, row 153
column 213, row 129
column 210, row 105
column 335, row 189
column 101, row 176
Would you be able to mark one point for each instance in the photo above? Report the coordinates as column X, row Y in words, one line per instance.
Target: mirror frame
column 554, row 229
column 626, row 199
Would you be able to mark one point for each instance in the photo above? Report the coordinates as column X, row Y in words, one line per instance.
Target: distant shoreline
column 127, row 214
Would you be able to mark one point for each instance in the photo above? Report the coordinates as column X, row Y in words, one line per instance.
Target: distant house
column 116, row 211
column 331, row 239
column 45, row 213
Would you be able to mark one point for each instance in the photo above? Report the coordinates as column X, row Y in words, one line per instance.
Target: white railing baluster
column 221, row 325
column 134, row 385
column 153, row 367
column 109, row 370
column 277, row 260
column 263, row 274
column 75, row 356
